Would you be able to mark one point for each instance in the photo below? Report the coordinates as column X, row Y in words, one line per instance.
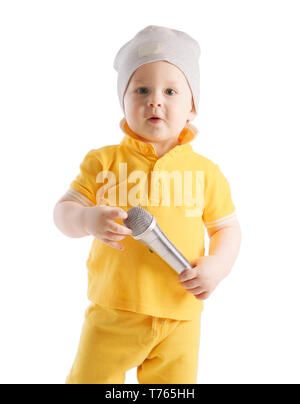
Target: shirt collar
column 131, row 139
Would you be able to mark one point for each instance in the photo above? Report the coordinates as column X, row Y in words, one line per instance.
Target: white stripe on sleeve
column 80, row 197
column 221, row 221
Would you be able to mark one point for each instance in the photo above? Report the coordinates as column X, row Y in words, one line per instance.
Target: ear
column 192, row 114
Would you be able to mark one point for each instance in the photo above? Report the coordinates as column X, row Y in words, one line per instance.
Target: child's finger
column 197, row 291
column 114, row 236
column 202, row 296
column 114, row 227
column 190, row 284
column 113, row 245
column 117, row 213
column 187, row 274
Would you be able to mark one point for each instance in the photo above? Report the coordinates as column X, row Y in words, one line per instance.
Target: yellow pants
column 114, row 341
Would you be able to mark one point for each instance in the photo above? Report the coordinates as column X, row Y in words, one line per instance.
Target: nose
column 154, row 100
column 154, row 104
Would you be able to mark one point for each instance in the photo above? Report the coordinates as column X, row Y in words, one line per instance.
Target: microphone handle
column 154, row 238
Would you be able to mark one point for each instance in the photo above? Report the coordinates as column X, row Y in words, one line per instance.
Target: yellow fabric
column 165, row 351
column 136, row 279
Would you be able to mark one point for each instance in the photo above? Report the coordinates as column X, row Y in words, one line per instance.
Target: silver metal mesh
column 138, row 220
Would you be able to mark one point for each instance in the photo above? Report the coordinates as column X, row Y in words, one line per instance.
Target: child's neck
column 162, row 148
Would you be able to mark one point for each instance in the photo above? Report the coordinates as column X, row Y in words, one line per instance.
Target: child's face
column 158, row 88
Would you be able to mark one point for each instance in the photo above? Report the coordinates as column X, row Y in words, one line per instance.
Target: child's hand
column 203, row 278
column 99, row 222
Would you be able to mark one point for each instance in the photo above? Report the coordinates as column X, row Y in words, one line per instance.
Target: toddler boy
column 143, row 314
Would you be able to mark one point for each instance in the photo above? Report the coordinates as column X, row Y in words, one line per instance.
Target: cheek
column 175, row 113
column 133, row 104
column 129, row 107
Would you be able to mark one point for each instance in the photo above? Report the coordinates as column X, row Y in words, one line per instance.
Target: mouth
column 155, row 120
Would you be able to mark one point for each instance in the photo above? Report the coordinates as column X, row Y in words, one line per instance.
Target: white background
column 58, row 100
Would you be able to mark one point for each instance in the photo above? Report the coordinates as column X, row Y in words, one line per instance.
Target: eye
column 141, row 88
column 170, row 89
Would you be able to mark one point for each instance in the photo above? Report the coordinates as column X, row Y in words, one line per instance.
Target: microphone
column 145, row 229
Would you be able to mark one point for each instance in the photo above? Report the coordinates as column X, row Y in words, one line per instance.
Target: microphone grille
column 138, row 220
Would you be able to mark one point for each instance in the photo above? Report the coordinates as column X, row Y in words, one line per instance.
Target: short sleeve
column 84, row 186
column 218, row 206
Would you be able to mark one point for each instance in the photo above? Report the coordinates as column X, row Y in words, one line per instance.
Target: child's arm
column 68, row 217
column 225, row 244
column 209, row 270
column 77, row 220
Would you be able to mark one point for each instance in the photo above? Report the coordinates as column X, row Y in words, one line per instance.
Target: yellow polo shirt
column 183, row 190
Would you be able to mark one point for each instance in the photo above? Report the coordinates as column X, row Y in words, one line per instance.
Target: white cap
column 156, row 43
